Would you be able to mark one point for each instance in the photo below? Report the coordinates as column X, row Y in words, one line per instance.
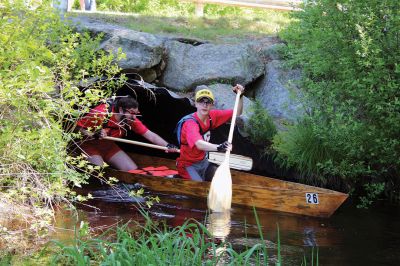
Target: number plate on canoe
column 312, row 198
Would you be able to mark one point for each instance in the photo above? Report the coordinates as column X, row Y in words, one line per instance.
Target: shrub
column 261, row 127
column 349, row 52
column 42, row 61
column 300, row 147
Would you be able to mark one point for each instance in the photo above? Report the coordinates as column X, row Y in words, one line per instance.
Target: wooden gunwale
column 248, row 189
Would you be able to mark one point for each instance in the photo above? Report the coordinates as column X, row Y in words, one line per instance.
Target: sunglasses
column 132, row 112
column 205, row 101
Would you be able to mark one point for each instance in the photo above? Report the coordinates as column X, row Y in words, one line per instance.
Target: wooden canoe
column 247, row 189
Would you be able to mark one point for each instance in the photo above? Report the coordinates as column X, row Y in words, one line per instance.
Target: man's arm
column 207, row 146
column 154, row 138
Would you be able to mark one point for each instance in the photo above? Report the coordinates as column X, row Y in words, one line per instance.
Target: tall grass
column 152, row 244
column 314, row 259
column 261, row 127
column 302, row 148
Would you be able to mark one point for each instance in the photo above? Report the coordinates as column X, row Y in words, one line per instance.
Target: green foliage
column 300, row 147
column 349, row 51
column 149, row 200
column 117, row 5
column 314, row 258
column 221, row 10
column 152, row 244
column 6, row 259
column 175, row 7
column 261, row 128
column 41, row 63
column 373, row 191
column 145, row 6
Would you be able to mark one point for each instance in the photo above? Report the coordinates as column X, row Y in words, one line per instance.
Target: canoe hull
column 247, row 190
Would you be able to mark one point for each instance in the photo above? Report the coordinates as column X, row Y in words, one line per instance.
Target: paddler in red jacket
column 194, row 134
column 114, row 119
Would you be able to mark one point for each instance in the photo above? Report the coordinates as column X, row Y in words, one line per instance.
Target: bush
column 42, row 61
column 300, row 147
column 349, row 51
column 261, row 128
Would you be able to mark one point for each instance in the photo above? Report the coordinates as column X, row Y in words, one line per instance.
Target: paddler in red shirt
column 194, row 134
column 114, row 119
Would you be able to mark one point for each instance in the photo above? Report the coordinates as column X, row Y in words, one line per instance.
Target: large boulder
column 225, row 97
column 279, row 91
column 189, row 65
column 143, row 50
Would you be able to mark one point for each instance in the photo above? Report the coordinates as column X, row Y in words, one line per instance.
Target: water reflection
column 309, row 237
column 219, row 224
column 118, row 193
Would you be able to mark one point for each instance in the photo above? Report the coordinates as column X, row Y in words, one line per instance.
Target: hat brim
column 202, row 97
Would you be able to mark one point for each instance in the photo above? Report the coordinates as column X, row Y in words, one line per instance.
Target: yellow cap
column 204, row 93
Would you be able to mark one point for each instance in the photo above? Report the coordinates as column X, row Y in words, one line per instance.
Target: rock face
column 139, row 54
column 279, row 93
column 182, row 64
column 189, row 66
column 142, row 50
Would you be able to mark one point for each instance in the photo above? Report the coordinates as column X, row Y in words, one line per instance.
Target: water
column 350, row 237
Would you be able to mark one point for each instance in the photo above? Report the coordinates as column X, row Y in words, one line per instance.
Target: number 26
column 312, row 198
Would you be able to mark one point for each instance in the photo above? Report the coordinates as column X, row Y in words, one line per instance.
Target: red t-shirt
column 94, row 119
column 190, row 133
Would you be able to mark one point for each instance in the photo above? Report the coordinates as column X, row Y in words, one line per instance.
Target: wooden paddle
column 220, row 194
column 238, row 162
column 144, row 144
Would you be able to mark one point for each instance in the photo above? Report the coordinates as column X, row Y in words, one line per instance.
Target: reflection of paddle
column 219, row 224
column 220, row 194
column 238, row 162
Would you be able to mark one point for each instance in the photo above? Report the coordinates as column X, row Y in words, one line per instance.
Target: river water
column 350, row 237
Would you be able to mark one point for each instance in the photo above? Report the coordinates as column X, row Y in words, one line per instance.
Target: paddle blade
column 220, row 194
column 237, row 162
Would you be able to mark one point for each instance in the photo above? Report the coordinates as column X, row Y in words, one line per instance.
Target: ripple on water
column 118, row 193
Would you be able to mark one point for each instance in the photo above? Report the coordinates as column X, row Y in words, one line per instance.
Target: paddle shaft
column 144, row 144
column 232, row 127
